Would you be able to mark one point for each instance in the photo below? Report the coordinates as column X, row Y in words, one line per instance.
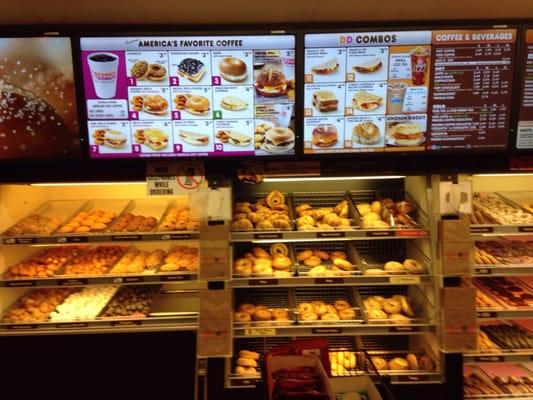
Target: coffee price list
column 471, row 88
column 524, row 137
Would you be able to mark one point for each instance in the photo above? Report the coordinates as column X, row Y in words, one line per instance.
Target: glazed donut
column 241, row 316
column 330, row 317
column 347, row 313
column 260, row 253
column 323, row 255
column 379, row 362
column 413, row 266
column 279, row 313
column 247, row 308
column 392, row 306
column 338, row 254
column 312, row 261
column 305, row 307
column 343, row 264
column 282, row 262
column 275, row 198
column 413, row 361
column 304, row 254
column 249, row 354
column 242, row 225
column 262, row 315
column 156, row 72
column 246, row 362
column 426, row 363
column 393, row 267
column 320, row 309
column 341, row 305
column 279, row 249
column 308, row 316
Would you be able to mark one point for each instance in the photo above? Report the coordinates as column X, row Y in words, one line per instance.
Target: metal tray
column 272, row 298
column 252, row 198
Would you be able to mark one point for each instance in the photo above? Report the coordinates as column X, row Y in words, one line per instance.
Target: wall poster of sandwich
column 382, row 88
column 196, row 96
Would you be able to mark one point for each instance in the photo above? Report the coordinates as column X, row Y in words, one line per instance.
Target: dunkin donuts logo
column 368, row 39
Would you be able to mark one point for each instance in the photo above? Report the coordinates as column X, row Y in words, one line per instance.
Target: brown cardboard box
column 275, row 363
column 463, row 298
column 456, row 257
column 454, row 230
column 459, row 329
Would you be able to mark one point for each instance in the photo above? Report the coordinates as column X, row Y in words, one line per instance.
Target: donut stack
column 247, row 363
column 319, row 310
column 276, row 262
column 397, row 308
column 270, row 213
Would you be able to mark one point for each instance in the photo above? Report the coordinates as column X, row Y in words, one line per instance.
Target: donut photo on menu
column 38, row 109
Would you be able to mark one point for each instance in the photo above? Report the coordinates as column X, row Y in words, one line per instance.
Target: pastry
column 249, row 354
column 366, row 133
column 413, row 361
column 139, row 70
column 246, row 362
column 156, row 72
column 192, row 69
column 279, row 248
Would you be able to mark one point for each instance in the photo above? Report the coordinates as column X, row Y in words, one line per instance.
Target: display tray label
column 326, row 281
column 489, row 359
column 413, row 378
column 481, row 229
column 326, row 331
column 173, row 236
column 73, row 282
column 122, row 238
column 380, row 233
column 275, row 235
column 399, row 329
column 133, row 279
column 72, row 325
column 261, row 282
column 174, row 278
column 260, row 332
column 525, row 229
column 22, row 327
column 20, row 283
column 483, row 271
column 332, row 234
column 126, row 323
column 243, row 382
column 404, row 280
column 410, row 233
column 72, row 239
column 23, row 241
column 487, row 314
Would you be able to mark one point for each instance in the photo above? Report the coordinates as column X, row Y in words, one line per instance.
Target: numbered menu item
column 366, row 91
column 524, row 138
column 189, row 96
column 39, row 114
column 471, row 88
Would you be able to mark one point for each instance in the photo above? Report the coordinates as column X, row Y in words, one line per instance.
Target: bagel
column 394, row 267
column 347, row 313
column 320, row 309
column 308, row 316
column 338, row 254
column 262, row 270
column 282, row 262
column 321, row 254
column 275, row 198
column 249, row 256
column 247, row 371
column 262, row 315
column 399, row 319
column 413, row 266
column 242, row 266
column 380, row 363
column 262, row 262
column 246, row 362
column 392, row 306
column 312, row 261
column 376, row 314
column 242, row 225
column 279, row 313
column 304, row 254
column 242, row 316
column 372, row 304
column 330, row 308
column 198, row 105
column 341, row 305
column 247, row 308
column 305, row 307
column 330, row 317
column 413, row 361
column 398, row 363
column 406, row 307
column 279, row 249
column 282, row 274
column 249, row 354
column 343, row 264
column 260, row 253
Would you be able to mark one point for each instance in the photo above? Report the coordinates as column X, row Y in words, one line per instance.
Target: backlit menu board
column 407, row 90
column 524, row 137
column 38, row 113
column 189, row 96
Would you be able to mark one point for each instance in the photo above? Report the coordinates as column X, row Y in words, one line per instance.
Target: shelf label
column 411, row 232
column 72, row 325
column 404, row 280
column 274, row 235
column 487, row 314
column 399, row 329
column 489, row 359
column 260, row 332
column 413, row 378
column 481, row 229
column 261, row 282
column 326, row 331
column 243, row 382
column 126, row 323
column 525, row 229
column 174, row 278
column 483, row 271
column 330, row 234
column 122, row 238
column 380, row 233
column 72, row 239
column 132, row 279
column 326, row 281
column 21, row 283
column 73, row 282
column 24, row 241
column 22, row 327
column 173, row 236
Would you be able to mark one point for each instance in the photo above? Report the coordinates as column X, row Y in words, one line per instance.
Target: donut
column 275, row 198
column 262, row 270
column 308, row 316
column 242, row 266
column 375, row 313
column 392, row 306
column 279, row 249
column 246, row 362
column 413, row 266
column 343, row 264
column 341, row 305
column 241, row 316
column 312, row 261
column 304, row 254
column 330, row 317
column 413, row 361
column 281, row 262
column 156, row 72
column 320, row 309
column 347, row 313
column 406, row 307
column 321, row 254
column 247, row 308
column 394, row 267
column 249, row 354
column 305, row 307
column 426, row 363
column 379, row 362
column 262, row 315
column 279, row 313
column 260, row 253
column 338, row 254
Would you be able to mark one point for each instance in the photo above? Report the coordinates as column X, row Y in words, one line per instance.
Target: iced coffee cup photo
column 395, row 97
column 104, row 67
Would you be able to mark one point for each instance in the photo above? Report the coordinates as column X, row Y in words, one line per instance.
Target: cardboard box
column 455, row 230
column 456, row 257
column 275, row 363
column 463, row 298
column 356, row 384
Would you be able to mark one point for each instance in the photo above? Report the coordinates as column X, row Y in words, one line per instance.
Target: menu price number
column 174, row 81
column 487, row 314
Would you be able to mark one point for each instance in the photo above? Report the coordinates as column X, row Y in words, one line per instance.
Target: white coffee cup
column 104, row 67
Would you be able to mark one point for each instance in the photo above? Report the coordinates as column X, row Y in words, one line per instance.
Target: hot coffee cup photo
column 104, row 67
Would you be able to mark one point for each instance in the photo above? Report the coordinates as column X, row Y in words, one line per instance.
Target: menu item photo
column 326, row 68
column 233, row 69
column 196, row 139
column 271, row 83
column 405, row 134
column 325, row 100
column 153, row 138
column 366, row 133
column 192, row 69
column 325, row 135
column 366, row 101
column 369, row 65
column 233, row 103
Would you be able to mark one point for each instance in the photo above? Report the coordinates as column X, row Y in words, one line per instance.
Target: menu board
column 366, row 91
column 471, row 88
column 189, row 96
column 407, row 90
column 38, row 113
column 524, row 136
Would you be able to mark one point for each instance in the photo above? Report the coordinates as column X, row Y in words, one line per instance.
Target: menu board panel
column 38, row 113
column 471, row 88
column 407, row 90
column 524, row 137
column 185, row 96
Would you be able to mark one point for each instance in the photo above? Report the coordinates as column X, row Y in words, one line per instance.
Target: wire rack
column 341, row 343
column 328, row 295
column 325, row 199
column 380, row 251
column 269, row 297
column 390, row 354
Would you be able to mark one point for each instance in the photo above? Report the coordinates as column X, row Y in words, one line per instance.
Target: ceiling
column 250, row 11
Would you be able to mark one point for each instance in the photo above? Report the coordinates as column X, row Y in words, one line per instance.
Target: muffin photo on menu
column 39, row 115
